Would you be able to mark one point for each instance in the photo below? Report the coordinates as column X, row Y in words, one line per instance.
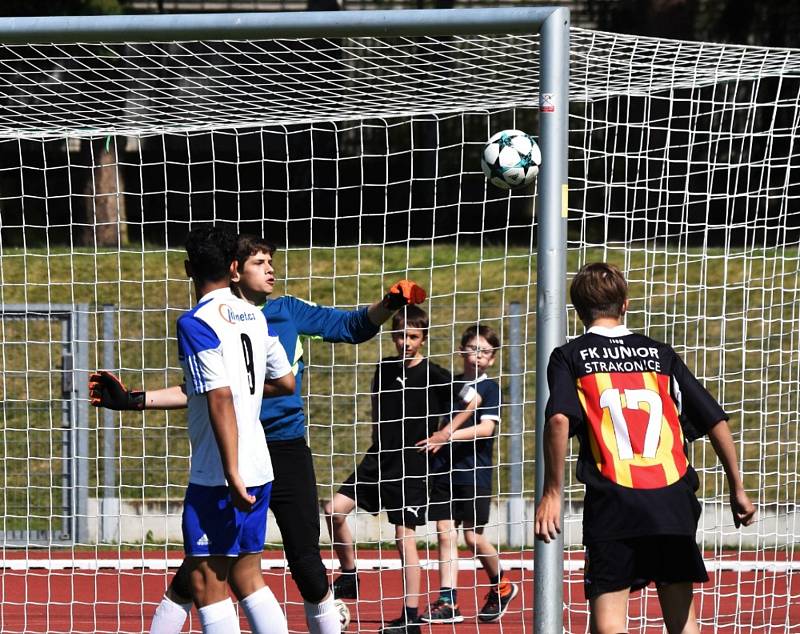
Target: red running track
column 73, row 600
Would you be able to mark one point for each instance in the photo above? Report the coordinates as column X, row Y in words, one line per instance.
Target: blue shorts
column 213, row 526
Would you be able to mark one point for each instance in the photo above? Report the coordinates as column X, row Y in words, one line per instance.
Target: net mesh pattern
column 359, row 157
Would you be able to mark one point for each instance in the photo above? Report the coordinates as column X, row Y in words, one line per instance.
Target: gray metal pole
column 67, row 415
column 109, row 517
column 80, row 422
column 516, row 504
column 242, row 26
column 551, row 286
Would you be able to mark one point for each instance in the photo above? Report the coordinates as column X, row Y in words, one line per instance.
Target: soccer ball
column 344, row 613
column 511, row 159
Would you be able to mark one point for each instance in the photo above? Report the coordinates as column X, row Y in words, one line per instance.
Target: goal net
column 683, row 171
column 359, row 158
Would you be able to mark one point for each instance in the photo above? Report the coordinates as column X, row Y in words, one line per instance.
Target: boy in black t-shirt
column 409, row 396
column 634, row 406
column 462, row 489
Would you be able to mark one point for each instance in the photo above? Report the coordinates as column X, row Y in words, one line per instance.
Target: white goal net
column 359, row 158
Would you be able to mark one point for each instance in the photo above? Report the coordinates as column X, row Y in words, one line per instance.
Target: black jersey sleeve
column 563, row 392
column 374, row 393
column 698, row 410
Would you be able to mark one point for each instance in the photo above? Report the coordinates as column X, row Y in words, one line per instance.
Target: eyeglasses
column 478, row 350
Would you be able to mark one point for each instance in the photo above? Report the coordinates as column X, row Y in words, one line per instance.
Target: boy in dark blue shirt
column 461, row 492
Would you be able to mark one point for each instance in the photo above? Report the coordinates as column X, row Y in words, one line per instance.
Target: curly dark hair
column 211, row 249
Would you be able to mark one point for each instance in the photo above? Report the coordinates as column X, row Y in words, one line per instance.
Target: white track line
column 363, row 564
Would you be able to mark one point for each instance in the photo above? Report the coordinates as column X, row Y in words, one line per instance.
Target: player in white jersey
column 226, row 354
column 224, row 342
column 293, row 498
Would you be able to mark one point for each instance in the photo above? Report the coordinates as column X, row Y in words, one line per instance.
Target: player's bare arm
column 483, row 429
column 106, row 390
column 166, row 398
column 441, row 437
column 403, row 293
column 282, row 386
column 743, row 510
column 547, row 524
column 223, row 422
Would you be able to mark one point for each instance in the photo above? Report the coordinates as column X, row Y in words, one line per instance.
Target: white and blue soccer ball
column 344, row 613
column 511, row 159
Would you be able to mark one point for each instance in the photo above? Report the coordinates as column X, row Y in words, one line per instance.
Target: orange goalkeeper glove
column 403, row 293
column 106, row 390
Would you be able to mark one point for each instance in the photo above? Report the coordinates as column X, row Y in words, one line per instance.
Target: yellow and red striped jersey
column 634, row 432
column 634, row 405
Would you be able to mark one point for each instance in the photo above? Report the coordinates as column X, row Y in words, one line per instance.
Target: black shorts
column 635, row 562
column 462, row 503
column 403, row 500
column 294, row 501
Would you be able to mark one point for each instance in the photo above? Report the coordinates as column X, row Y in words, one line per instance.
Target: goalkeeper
column 294, row 500
column 634, row 406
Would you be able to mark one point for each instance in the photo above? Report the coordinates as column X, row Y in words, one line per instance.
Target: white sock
column 219, row 618
column 322, row 618
column 169, row 617
column 264, row 613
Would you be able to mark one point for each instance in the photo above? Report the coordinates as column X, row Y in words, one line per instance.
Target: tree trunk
column 106, row 219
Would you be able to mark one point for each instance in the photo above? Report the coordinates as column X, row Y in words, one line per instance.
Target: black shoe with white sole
column 497, row 604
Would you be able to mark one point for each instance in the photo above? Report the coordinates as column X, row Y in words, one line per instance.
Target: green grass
column 731, row 315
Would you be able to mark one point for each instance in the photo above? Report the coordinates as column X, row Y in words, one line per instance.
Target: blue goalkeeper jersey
column 290, row 319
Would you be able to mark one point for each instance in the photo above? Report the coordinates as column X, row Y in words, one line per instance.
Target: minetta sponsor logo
column 232, row 317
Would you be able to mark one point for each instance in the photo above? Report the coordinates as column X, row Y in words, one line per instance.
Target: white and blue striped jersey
column 225, row 342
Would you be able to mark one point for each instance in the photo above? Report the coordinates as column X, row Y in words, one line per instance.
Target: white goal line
column 364, row 564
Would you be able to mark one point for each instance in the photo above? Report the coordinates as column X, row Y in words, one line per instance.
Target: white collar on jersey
column 225, row 291
column 477, row 379
column 616, row 331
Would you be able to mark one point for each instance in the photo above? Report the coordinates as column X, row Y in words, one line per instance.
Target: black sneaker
column 442, row 612
column 345, row 586
column 496, row 606
column 401, row 626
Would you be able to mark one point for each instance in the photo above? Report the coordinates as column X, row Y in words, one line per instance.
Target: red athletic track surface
column 112, row 600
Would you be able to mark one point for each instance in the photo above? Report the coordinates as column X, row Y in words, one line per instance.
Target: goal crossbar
column 132, row 28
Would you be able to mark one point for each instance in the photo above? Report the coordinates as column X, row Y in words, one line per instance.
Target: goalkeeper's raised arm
column 336, row 325
column 107, row 390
